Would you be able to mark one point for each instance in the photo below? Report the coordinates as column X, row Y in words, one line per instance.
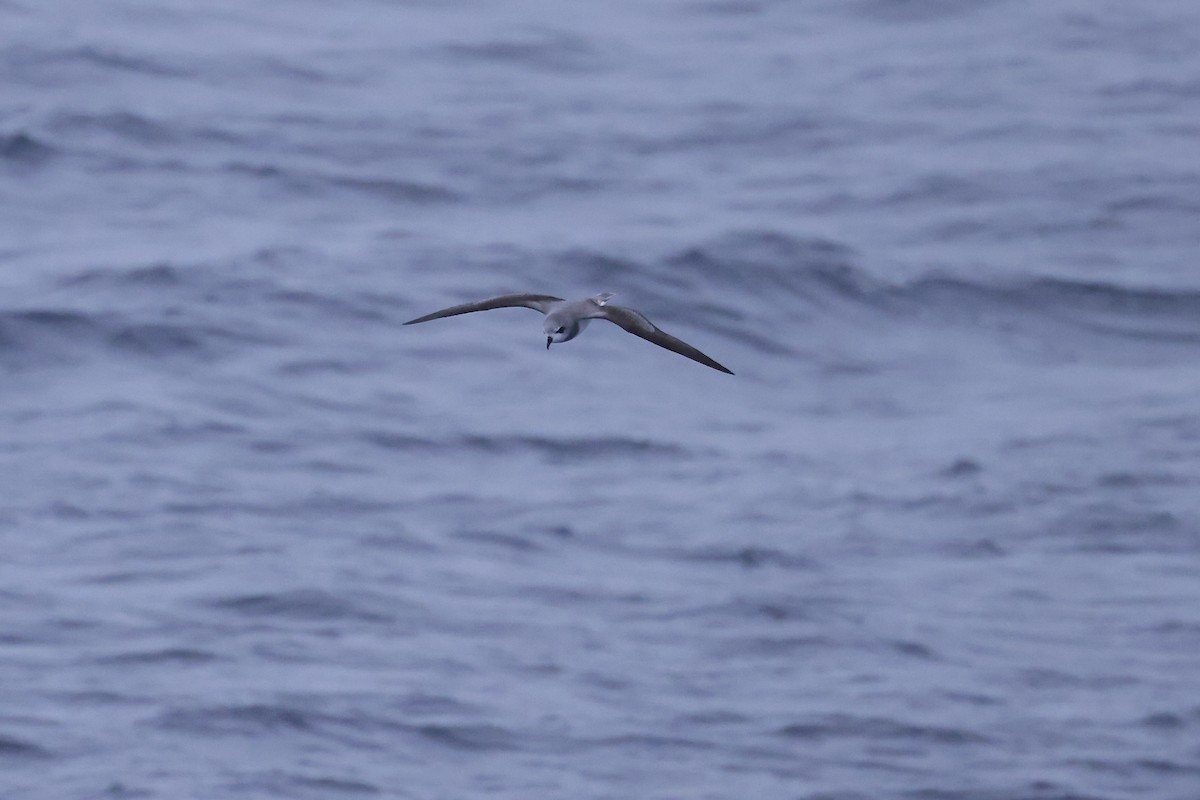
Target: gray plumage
column 565, row 319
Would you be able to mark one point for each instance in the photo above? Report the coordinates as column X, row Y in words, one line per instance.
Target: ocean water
column 938, row 538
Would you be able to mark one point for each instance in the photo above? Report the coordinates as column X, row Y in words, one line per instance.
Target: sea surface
column 937, row 539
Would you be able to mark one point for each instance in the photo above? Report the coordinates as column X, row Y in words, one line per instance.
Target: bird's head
column 558, row 330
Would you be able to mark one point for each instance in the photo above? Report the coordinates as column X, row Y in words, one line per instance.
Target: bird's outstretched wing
column 637, row 324
column 538, row 302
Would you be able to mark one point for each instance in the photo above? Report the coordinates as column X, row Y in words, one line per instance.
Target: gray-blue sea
column 937, row 539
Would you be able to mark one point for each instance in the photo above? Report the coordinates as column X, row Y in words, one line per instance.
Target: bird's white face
column 557, row 331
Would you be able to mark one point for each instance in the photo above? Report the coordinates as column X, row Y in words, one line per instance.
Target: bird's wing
column 538, row 302
column 637, row 324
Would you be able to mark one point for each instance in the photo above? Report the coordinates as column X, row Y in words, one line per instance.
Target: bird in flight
column 566, row 318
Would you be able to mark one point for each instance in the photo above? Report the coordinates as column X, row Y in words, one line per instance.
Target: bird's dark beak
column 549, row 339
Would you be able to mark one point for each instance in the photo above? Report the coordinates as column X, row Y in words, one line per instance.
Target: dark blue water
column 938, row 538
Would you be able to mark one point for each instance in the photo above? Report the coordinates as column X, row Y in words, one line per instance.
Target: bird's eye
column 560, row 330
